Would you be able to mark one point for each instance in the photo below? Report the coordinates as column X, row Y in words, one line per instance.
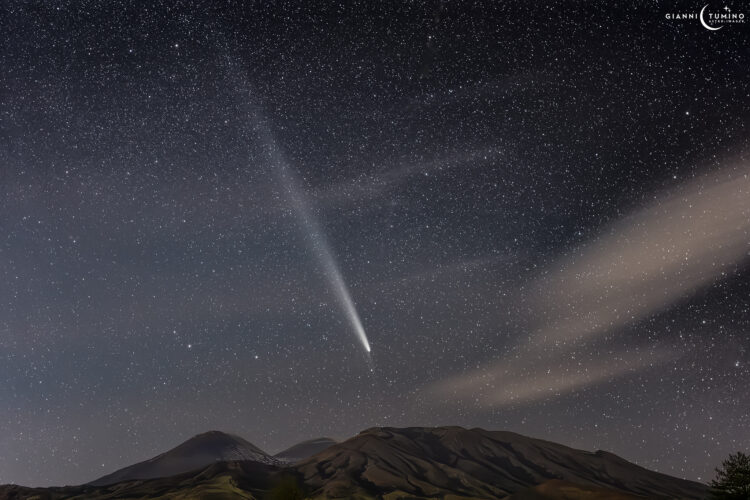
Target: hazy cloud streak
column 648, row 260
column 640, row 265
column 371, row 187
column 531, row 377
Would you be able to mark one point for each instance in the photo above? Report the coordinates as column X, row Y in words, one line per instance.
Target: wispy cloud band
column 639, row 266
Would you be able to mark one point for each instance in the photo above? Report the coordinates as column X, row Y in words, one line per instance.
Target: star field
column 541, row 212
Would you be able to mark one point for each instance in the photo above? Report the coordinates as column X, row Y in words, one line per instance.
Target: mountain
column 195, row 453
column 219, row 481
column 384, row 464
column 305, row 449
column 421, row 462
column 556, row 489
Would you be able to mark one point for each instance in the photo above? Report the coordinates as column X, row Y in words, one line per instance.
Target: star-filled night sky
column 536, row 213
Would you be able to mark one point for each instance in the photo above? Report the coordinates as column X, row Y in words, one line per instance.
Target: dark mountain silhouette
column 383, row 463
column 219, row 481
column 195, row 453
column 424, row 462
column 556, row 489
column 305, row 449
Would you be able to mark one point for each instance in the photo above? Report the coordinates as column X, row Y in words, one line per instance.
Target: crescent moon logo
column 703, row 22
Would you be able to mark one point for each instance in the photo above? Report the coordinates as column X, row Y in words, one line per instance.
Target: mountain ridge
column 195, row 453
column 470, row 463
column 384, row 463
column 304, row 449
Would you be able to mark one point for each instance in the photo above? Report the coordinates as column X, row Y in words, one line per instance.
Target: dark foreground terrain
column 450, row 463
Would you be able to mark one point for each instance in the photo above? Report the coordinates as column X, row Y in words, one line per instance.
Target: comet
column 313, row 232
column 323, row 252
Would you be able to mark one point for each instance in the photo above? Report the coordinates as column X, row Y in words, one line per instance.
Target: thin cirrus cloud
column 679, row 243
column 370, row 187
column 641, row 265
column 532, row 377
